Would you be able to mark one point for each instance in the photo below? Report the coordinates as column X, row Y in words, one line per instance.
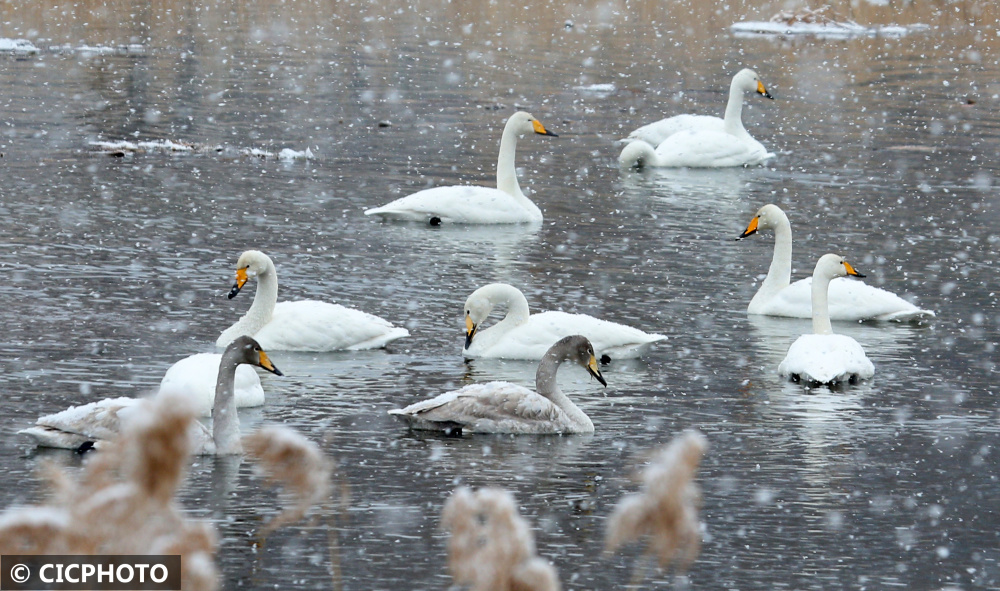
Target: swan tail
column 381, row 340
column 637, row 155
column 915, row 316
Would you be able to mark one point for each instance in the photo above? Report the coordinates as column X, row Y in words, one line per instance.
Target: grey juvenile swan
column 502, row 407
column 85, row 426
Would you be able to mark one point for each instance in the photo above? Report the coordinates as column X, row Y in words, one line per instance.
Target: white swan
column 824, row 357
column 850, row 300
column 522, row 335
column 87, row 425
column 470, row 204
column 195, row 378
column 502, row 407
column 700, row 141
column 304, row 325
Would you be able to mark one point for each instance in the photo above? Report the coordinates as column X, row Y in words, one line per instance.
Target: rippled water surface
column 115, row 267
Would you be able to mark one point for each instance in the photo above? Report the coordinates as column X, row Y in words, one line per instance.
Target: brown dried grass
column 491, row 546
column 123, row 502
column 288, row 459
column 665, row 511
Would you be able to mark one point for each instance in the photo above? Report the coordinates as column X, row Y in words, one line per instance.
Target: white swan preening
column 303, row 325
column 700, row 141
column 79, row 427
column 824, row 357
column 522, row 335
column 195, row 377
column 502, row 407
column 463, row 204
column 849, row 300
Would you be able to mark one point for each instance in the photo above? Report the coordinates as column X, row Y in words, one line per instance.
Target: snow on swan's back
column 825, row 357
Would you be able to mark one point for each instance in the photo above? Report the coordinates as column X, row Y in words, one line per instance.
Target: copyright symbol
column 20, row 573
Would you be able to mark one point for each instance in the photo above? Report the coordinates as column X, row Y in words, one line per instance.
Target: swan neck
column 779, row 274
column 225, row 420
column 517, row 313
column 506, row 172
column 546, row 385
column 820, row 305
column 733, row 121
column 264, row 300
column 517, row 304
column 780, row 270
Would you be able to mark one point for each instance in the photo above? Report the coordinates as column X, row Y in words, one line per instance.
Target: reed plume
column 123, row 502
column 491, row 547
column 287, row 458
column 666, row 509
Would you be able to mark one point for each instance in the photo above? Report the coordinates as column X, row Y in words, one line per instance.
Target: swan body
column 502, row 407
column 849, row 300
column 304, row 325
column 695, row 149
column 700, row 141
column 521, row 335
column 101, row 421
column 505, row 204
column 195, row 377
column 825, row 357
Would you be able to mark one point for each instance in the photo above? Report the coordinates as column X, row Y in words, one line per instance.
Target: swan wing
column 655, row 133
column 309, row 325
column 458, row 205
column 533, row 338
column 72, row 427
column 849, row 300
column 492, row 407
column 826, row 359
column 194, row 377
column 710, row 149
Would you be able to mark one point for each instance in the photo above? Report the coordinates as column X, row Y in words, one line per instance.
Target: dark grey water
column 114, row 268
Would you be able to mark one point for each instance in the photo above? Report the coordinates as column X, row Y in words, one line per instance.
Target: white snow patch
column 601, row 89
column 290, row 154
column 123, row 147
column 17, row 46
column 828, row 30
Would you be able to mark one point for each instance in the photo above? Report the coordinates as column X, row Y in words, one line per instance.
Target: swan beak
column 540, row 129
column 265, row 362
column 596, row 371
column 751, row 229
column 470, row 331
column 763, row 91
column 241, row 280
column 851, row 271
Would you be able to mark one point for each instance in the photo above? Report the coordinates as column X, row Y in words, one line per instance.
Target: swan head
column 579, row 350
column 525, row 123
column 247, row 350
column 833, row 265
column 768, row 217
column 747, row 79
column 250, row 264
column 477, row 309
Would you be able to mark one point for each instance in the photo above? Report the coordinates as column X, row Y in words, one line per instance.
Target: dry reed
column 287, row 458
column 666, row 509
column 123, row 502
column 491, row 546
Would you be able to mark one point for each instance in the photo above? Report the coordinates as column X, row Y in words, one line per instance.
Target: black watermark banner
column 90, row 573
